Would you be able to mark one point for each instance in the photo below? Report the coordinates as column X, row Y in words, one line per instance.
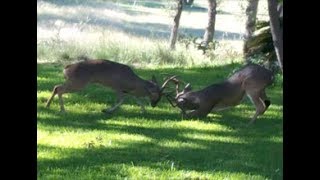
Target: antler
column 169, row 98
column 172, row 78
column 175, row 80
column 168, row 94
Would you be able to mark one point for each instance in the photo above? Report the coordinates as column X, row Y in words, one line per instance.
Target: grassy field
column 87, row 144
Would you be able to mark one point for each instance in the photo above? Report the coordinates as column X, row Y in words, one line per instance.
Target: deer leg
column 139, row 102
column 183, row 114
column 265, row 99
column 201, row 112
column 54, row 92
column 62, row 89
column 259, row 105
column 120, row 99
column 58, row 89
column 61, row 103
column 66, row 88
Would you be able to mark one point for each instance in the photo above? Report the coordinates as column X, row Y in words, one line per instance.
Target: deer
column 119, row 77
column 252, row 80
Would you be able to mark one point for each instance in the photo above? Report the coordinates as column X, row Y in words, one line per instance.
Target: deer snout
column 155, row 102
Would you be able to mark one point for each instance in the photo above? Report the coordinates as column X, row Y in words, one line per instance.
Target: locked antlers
column 168, row 95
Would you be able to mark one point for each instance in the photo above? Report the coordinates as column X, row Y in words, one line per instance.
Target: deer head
column 156, row 92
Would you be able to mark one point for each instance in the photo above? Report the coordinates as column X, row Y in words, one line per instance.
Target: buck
column 116, row 76
column 251, row 80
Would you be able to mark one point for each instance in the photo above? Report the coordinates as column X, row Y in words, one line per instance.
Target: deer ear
column 154, row 79
column 187, row 88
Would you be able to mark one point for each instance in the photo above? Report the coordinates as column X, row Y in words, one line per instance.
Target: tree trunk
column 251, row 14
column 276, row 31
column 176, row 20
column 209, row 33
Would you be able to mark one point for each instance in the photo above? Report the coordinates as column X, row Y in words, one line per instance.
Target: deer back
column 252, row 77
column 108, row 73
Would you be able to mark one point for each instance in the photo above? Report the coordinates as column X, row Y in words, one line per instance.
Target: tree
column 209, row 31
column 176, row 20
column 251, row 14
column 276, row 30
column 259, row 47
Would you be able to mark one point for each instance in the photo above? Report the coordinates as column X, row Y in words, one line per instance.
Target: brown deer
column 252, row 80
column 116, row 76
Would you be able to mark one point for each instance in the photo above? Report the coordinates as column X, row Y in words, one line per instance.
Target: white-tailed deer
column 116, row 76
column 252, row 80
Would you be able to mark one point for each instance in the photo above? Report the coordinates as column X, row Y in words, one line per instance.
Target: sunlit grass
column 86, row 144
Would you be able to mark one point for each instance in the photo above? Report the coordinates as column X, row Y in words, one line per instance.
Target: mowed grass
column 87, row 144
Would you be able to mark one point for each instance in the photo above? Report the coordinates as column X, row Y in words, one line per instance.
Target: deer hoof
column 267, row 103
column 183, row 115
column 250, row 123
column 107, row 111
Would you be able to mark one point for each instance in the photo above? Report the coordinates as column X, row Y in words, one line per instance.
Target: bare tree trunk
column 176, row 20
column 209, row 33
column 276, row 30
column 251, row 14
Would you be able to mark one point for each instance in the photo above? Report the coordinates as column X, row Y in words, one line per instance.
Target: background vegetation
column 87, row 144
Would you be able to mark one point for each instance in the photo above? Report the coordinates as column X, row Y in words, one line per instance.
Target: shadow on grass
column 97, row 3
column 256, row 154
column 92, row 121
column 148, row 4
column 51, row 75
column 213, row 156
column 152, row 30
column 195, row 8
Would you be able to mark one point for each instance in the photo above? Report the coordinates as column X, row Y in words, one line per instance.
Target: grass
column 87, row 144
column 128, row 49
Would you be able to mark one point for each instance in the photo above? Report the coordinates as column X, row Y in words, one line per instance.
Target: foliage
column 260, row 47
column 139, row 52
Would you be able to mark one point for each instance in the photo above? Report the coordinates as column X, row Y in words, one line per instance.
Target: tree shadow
column 210, row 157
column 256, row 153
column 50, row 74
column 152, row 30
column 194, row 8
column 233, row 118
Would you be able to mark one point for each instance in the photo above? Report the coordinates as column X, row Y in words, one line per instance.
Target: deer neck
column 141, row 88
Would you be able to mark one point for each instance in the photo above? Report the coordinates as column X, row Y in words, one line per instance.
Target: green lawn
column 87, row 144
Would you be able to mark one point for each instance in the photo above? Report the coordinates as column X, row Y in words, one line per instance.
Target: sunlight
column 85, row 143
